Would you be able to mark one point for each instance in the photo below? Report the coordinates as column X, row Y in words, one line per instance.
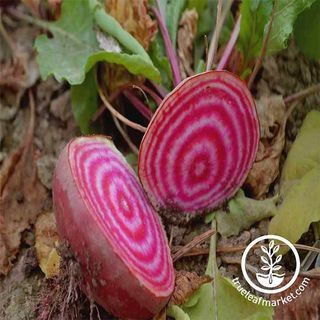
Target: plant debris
column 272, row 118
column 22, row 196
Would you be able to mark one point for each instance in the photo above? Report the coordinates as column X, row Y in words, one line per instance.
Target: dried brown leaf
column 306, row 306
column 47, row 240
column 186, row 35
column 21, row 197
column 272, row 116
column 21, row 71
column 133, row 17
column 186, row 284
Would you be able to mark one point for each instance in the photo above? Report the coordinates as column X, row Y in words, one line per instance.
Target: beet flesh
column 112, row 229
column 199, row 145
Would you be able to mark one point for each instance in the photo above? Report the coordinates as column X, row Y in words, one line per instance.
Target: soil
column 25, row 288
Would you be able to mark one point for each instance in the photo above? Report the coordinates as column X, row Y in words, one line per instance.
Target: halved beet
column 200, row 144
column 113, row 230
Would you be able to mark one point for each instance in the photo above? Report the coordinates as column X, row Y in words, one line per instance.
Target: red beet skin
column 112, row 229
column 200, row 144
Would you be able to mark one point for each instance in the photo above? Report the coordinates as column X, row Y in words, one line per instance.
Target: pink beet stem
column 161, row 90
column 157, row 99
column 139, row 105
column 231, row 43
column 169, row 48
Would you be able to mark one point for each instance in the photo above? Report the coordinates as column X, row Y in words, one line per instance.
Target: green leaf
column 307, row 31
column 254, row 16
column 199, row 5
column 300, row 207
column 300, row 185
column 173, row 13
column 132, row 159
column 177, row 313
column 285, row 15
column 110, row 25
column 235, row 306
column 84, row 99
column 304, row 154
column 206, row 21
column 227, row 29
column 159, row 58
column 73, row 49
column 242, row 213
column 223, row 301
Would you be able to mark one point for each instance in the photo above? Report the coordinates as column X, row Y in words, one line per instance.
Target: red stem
column 231, row 43
column 169, row 48
column 139, row 105
column 161, row 90
column 151, row 93
column 263, row 52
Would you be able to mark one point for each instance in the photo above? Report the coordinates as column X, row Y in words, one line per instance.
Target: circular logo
column 270, row 275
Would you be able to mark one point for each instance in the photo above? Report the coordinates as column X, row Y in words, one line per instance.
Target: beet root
column 112, row 229
column 199, row 145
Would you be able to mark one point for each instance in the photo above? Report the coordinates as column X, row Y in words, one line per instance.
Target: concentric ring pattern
column 111, row 191
column 200, row 144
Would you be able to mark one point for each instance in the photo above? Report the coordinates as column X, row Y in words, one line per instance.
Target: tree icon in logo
column 272, row 278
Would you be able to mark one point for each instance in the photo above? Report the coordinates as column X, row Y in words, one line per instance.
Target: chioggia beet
column 112, row 229
column 200, row 144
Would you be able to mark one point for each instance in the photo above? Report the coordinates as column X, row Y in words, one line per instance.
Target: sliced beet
column 112, row 229
column 200, row 144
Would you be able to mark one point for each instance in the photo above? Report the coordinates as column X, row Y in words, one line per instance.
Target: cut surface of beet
column 200, row 144
column 112, row 228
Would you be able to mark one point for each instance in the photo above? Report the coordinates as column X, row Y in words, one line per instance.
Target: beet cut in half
column 200, row 144
column 112, row 229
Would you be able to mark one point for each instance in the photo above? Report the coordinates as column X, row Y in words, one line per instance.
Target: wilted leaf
column 186, row 35
column 46, row 242
column 299, row 208
column 85, row 102
column 285, row 15
column 304, row 154
column 133, row 17
column 272, row 117
column 229, row 302
column 74, row 49
column 21, row 198
column 300, row 186
column 304, row 307
column 242, row 213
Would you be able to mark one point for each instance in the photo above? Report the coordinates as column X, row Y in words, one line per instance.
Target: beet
column 112, row 229
column 200, row 144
